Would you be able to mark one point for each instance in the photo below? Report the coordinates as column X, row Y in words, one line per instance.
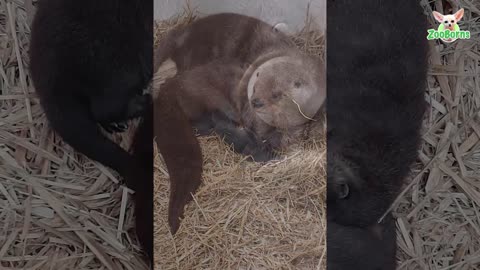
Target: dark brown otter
column 89, row 65
column 181, row 151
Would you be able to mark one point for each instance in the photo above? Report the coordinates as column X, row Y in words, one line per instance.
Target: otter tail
column 141, row 179
column 180, row 150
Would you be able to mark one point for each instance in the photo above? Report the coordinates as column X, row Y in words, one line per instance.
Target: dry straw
column 247, row 215
column 438, row 212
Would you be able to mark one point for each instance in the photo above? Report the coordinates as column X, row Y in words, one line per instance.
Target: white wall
column 289, row 12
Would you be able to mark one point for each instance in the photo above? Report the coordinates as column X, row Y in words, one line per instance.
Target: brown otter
column 166, row 123
column 206, row 94
column 225, row 35
column 181, row 151
column 228, row 65
column 214, row 98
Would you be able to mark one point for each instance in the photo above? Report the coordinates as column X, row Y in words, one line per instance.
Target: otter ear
column 343, row 191
column 459, row 14
column 438, row 16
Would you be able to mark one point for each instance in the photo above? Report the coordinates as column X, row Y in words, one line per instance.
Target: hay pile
column 438, row 213
column 248, row 215
column 58, row 210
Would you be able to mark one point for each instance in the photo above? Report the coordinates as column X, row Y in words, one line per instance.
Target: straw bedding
column 248, row 215
column 438, row 212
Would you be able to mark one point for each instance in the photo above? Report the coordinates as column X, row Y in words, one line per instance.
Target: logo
column 448, row 31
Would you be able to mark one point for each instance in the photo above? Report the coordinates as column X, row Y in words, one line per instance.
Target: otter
column 181, row 151
column 140, row 178
column 371, row 248
column 376, row 88
column 227, row 68
column 285, row 88
column 224, row 35
column 214, row 98
column 206, row 95
column 86, row 78
column 183, row 157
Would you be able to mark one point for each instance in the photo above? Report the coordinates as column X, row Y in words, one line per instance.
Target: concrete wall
column 290, row 14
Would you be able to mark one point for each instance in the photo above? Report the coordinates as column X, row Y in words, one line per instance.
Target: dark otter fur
column 372, row 248
column 89, row 63
column 376, row 85
column 141, row 177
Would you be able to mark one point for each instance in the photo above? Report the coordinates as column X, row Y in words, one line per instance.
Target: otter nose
column 257, row 103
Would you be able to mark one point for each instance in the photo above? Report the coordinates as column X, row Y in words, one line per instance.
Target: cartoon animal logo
column 448, row 22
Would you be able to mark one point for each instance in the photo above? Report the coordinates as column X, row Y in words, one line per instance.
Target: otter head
column 287, row 91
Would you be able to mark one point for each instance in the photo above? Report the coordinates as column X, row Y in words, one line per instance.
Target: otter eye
column 343, row 191
column 297, row 84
